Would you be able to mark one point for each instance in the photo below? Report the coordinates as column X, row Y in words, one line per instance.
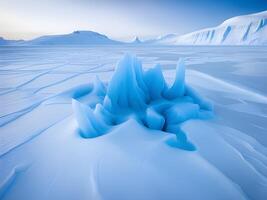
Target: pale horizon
column 117, row 19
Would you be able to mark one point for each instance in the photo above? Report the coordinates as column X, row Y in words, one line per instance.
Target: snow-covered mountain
column 4, row 42
column 242, row 30
column 75, row 38
column 136, row 41
column 165, row 39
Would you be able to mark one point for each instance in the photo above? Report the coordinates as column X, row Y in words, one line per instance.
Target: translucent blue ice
column 178, row 87
column 155, row 82
column 127, row 88
column 154, row 120
column 91, row 123
column 143, row 96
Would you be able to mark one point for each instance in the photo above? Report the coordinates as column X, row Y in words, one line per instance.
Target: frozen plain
column 42, row 155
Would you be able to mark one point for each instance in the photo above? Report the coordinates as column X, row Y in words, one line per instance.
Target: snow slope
column 169, row 39
column 4, row 42
column 44, row 156
column 75, row 38
column 241, row 30
column 136, row 40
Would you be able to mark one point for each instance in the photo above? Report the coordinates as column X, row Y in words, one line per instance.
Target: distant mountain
column 75, row 38
column 166, row 39
column 4, row 42
column 241, row 30
column 136, row 41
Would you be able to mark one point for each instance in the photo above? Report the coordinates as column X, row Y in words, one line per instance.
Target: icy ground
column 43, row 156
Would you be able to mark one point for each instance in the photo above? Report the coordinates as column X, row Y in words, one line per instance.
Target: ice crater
column 144, row 96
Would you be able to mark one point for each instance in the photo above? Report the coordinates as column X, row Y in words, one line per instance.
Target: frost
column 144, row 96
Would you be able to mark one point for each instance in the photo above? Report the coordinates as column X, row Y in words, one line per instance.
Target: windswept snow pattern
column 42, row 153
column 144, row 96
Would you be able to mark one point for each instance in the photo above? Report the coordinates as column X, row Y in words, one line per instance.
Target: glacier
column 245, row 30
column 143, row 96
column 240, row 30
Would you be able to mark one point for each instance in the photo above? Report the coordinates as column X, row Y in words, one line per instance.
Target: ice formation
column 144, row 96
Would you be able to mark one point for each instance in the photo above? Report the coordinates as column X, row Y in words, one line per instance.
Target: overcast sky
column 118, row 19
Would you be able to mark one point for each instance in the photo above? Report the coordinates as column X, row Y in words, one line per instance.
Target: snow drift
column 43, row 156
column 143, row 96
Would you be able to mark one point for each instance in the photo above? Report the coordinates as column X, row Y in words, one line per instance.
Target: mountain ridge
column 240, row 30
column 74, row 38
column 79, row 37
column 248, row 29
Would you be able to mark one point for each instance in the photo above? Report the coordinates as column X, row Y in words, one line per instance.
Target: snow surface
column 44, row 156
column 240, row 30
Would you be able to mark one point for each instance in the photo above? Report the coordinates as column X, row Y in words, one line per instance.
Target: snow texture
column 43, row 156
column 143, row 96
